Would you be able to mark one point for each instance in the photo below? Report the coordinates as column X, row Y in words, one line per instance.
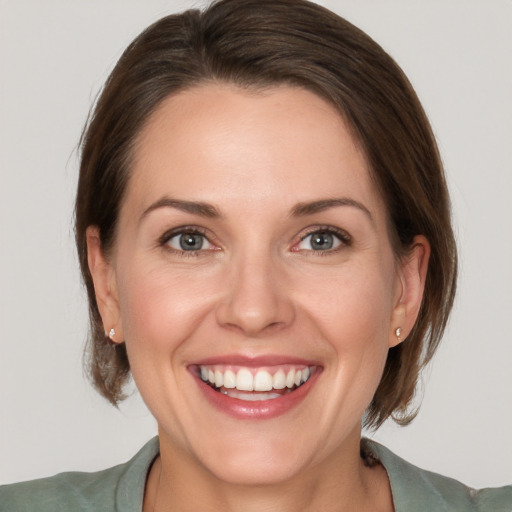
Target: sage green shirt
column 121, row 489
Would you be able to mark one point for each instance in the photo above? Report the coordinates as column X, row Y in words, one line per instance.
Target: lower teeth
column 250, row 397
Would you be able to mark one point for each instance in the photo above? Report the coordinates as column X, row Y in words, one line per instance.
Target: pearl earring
column 112, row 333
column 398, row 333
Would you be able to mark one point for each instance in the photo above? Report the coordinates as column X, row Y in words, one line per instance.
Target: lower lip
column 264, row 409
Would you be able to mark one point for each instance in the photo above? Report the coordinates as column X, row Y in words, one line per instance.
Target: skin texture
column 256, row 288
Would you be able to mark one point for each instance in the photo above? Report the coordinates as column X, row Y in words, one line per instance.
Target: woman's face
column 253, row 251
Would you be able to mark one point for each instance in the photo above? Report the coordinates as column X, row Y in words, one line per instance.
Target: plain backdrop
column 54, row 57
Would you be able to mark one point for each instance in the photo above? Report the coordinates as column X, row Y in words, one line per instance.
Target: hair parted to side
column 257, row 44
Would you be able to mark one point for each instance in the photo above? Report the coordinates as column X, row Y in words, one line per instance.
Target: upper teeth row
column 262, row 380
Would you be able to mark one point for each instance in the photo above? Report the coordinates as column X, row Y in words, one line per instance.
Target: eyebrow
column 195, row 207
column 310, row 208
column 299, row 210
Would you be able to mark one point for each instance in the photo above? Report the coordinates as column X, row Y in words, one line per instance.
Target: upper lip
column 256, row 360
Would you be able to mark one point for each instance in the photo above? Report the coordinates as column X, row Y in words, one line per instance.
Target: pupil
column 191, row 242
column 322, row 241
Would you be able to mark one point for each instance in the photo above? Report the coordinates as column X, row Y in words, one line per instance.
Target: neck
column 178, row 483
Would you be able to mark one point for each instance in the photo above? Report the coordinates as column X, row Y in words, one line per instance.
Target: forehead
column 221, row 144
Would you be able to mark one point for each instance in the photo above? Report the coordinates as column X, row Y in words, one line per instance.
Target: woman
column 264, row 231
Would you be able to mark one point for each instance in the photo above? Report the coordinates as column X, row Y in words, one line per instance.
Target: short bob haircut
column 257, row 44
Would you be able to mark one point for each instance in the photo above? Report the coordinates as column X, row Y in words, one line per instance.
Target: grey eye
column 189, row 242
column 319, row 241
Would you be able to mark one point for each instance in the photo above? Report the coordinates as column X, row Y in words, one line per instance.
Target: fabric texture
column 121, row 488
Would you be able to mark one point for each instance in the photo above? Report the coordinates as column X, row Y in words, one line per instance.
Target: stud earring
column 398, row 333
column 111, row 334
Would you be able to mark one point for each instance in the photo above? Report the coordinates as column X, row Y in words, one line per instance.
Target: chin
column 252, row 456
column 251, row 469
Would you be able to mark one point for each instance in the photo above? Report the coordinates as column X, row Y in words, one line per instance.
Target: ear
column 412, row 273
column 105, row 285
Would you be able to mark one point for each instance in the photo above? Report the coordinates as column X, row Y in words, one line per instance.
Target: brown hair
column 256, row 44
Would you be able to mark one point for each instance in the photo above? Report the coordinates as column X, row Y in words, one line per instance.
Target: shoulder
column 66, row 491
column 118, row 488
column 416, row 489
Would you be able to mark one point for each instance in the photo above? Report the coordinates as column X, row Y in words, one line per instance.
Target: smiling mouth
column 255, row 384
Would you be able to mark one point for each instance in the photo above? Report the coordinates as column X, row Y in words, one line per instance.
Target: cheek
column 353, row 307
column 161, row 312
column 350, row 312
column 161, row 307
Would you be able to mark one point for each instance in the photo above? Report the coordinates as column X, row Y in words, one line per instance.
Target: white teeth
column 229, row 379
column 262, row 381
column 279, row 380
column 219, row 379
column 244, row 380
column 290, row 379
column 252, row 397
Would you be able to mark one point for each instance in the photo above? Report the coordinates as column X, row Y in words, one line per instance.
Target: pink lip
column 245, row 410
column 254, row 361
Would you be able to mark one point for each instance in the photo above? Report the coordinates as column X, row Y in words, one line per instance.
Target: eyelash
column 344, row 238
column 182, row 230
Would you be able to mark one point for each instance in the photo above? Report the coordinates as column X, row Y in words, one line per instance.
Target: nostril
column 255, row 299
column 253, row 320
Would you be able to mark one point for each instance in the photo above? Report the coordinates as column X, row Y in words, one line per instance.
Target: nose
column 257, row 297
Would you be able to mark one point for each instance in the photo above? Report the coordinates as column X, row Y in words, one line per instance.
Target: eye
column 322, row 240
column 188, row 241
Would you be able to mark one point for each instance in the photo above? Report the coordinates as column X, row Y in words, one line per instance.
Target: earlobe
column 412, row 273
column 105, row 286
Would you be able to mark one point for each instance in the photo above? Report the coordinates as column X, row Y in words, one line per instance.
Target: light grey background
column 54, row 56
